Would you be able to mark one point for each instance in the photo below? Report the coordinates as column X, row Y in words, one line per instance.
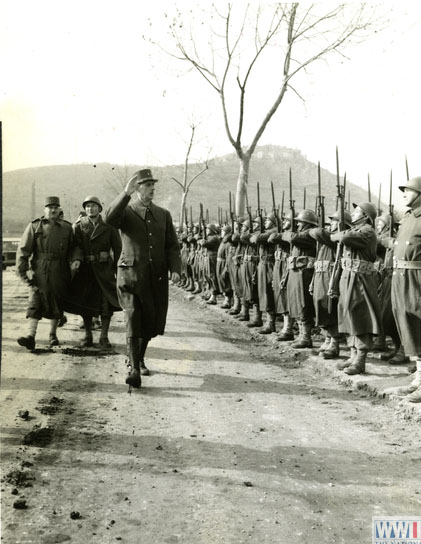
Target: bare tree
column 230, row 49
column 186, row 183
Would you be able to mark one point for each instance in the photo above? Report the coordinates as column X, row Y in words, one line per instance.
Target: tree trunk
column 242, row 186
column 183, row 211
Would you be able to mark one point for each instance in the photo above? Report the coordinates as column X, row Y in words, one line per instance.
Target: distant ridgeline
column 24, row 190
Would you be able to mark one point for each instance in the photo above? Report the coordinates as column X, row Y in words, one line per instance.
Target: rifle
column 249, row 214
column 368, row 188
column 231, row 214
column 275, row 209
column 291, row 203
column 333, row 290
column 379, row 201
column 281, row 228
column 320, row 205
column 259, row 210
column 202, row 222
column 407, row 169
column 191, row 218
column 391, row 218
column 304, row 199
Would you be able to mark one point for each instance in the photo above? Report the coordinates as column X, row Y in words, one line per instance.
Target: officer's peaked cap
column 52, row 201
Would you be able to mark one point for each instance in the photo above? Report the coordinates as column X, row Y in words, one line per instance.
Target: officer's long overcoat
column 150, row 250
column 52, row 247
column 406, row 284
column 96, row 277
column 358, row 306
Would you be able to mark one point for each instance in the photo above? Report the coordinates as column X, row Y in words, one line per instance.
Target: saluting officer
column 150, row 251
column 43, row 262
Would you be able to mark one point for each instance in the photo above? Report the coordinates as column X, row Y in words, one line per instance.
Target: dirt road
column 230, row 440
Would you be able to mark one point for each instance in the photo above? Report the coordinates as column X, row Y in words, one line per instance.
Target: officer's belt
column 303, row 261
column 359, row 265
column 323, row 266
column 48, row 257
column 249, row 258
column 409, row 265
column 101, row 257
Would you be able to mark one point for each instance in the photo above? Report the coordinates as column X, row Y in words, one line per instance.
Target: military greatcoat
column 265, row 265
column 359, row 307
column 52, row 246
column 96, row 278
column 406, row 282
column 150, row 251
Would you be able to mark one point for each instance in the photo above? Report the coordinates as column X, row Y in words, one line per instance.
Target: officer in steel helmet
column 93, row 290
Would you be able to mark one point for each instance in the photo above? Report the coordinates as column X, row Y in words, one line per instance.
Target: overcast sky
column 79, row 84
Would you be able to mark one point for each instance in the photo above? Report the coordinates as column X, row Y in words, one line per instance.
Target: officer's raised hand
column 132, row 184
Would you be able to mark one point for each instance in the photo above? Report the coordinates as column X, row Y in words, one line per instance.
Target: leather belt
column 250, row 258
column 408, row 265
column 359, row 265
column 102, row 257
column 322, row 266
column 303, row 261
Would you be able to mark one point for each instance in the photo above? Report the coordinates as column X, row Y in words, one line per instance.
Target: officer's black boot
column 105, row 325
column 143, row 344
column 134, row 378
column 88, row 340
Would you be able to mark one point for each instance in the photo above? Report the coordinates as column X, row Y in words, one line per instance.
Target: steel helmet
column 414, row 183
column 271, row 217
column 347, row 217
column 214, row 229
column 369, row 209
column 93, row 199
column 227, row 229
column 307, row 216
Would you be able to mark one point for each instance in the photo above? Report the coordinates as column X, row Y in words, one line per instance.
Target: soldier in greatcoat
column 280, row 279
column 265, row 265
column 236, row 251
column 359, row 308
column 93, row 291
column 326, row 307
column 248, row 273
column 406, row 283
column 47, row 251
column 223, row 259
column 210, row 245
column 150, row 252
column 300, row 273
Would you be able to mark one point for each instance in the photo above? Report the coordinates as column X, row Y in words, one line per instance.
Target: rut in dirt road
column 230, row 439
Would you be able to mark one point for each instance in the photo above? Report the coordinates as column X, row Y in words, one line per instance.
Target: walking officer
column 150, row 251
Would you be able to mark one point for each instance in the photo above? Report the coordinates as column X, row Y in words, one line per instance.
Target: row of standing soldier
column 349, row 278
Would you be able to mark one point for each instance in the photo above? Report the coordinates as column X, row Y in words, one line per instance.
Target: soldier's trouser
column 360, row 342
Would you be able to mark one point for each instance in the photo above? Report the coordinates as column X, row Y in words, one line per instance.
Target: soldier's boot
column 191, row 285
column 305, row 340
column 236, row 309
column 134, row 378
column 212, row 300
column 226, row 304
column 257, row 318
column 87, row 341
column 286, row 333
column 332, row 351
column 379, row 343
column 358, row 365
column 270, row 326
column 345, row 364
column 325, row 344
column 244, row 315
column 410, row 388
column 105, row 325
column 52, row 339
column 27, row 342
column 143, row 344
column 399, row 358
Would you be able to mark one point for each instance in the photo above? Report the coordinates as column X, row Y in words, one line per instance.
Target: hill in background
column 24, row 190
